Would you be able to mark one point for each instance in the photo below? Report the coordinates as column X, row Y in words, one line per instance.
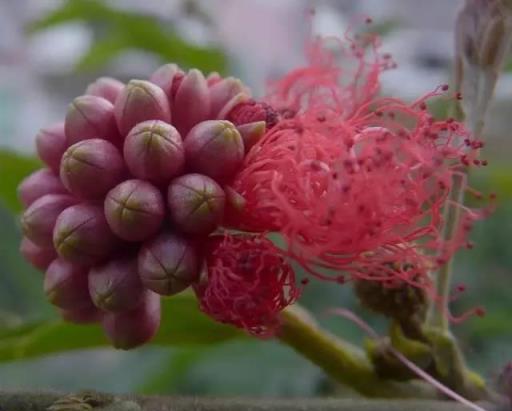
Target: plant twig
column 341, row 360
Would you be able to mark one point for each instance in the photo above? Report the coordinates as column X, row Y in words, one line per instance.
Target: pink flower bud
column 140, row 101
column 164, row 77
column 251, row 133
column 134, row 210
column 233, row 102
column 90, row 168
column 223, row 91
column 85, row 315
column 38, row 184
column 90, row 117
column 105, row 87
column 191, row 103
column 213, row 78
column 82, row 235
column 38, row 256
column 133, row 328
column 115, row 286
column 234, row 210
column 251, row 111
column 50, row 144
column 65, row 285
column 168, row 264
column 214, row 148
column 196, row 203
column 153, row 150
column 39, row 219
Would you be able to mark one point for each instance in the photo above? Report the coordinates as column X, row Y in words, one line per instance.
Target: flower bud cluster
column 136, row 178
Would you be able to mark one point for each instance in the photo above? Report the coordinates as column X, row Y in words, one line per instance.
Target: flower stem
column 342, row 361
column 437, row 316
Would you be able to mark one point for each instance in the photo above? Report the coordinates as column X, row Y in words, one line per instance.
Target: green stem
column 342, row 361
column 439, row 307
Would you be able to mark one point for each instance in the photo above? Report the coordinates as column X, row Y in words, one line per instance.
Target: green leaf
column 176, row 367
column 125, row 30
column 21, row 290
column 182, row 324
column 102, row 52
column 14, row 168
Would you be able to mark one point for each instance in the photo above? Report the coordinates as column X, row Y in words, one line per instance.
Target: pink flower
column 354, row 182
column 247, row 284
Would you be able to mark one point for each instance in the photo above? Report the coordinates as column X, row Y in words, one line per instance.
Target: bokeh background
column 51, row 49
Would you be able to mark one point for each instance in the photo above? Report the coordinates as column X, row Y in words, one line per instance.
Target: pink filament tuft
column 248, row 283
column 354, row 182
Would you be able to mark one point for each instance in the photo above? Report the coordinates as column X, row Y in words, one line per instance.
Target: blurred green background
column 195, row 356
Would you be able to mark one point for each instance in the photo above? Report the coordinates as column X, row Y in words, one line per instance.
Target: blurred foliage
column 206, row 358
column 120, row 30
column 13, row 168
column 194, row 355
column 182, row 324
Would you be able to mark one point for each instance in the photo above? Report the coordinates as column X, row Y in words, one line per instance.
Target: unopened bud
column 153, row 150
column 39, row 219
column 214, row 148
column 134, row 210
column 51, row 143
column 38, row 184
column 213, row 78
column 251, row 133
column 130, row 329
column 235, row 204
column 164, row 76
column 90, row 168
column 222, row 92
column 191, row 103
column 106, row 87
column 140, row 101
column 82, row 235
column 115, row 286
column 196, row 203
column 231, row 104
column 168, row 264
column 65, row 285
column 252, row 111
column 90, row 117
column 85, row 315
column 39, row 257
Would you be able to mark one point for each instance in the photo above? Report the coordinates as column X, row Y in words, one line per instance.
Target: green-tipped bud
column 39, row 219
column 191, row 103
column 51, row 143
column 214, row 148
column 90, row 168
column 82, row 235
column 65, row 285
column 140, row 101
column 38, row 184
column 168, row 264
column 90, row 117
column 106, row 87
column 39, row 257
column 251, row 133
column 134, row 210
column 153, row 150
column 130, row 329
column 115, row 286
column 196, row 204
